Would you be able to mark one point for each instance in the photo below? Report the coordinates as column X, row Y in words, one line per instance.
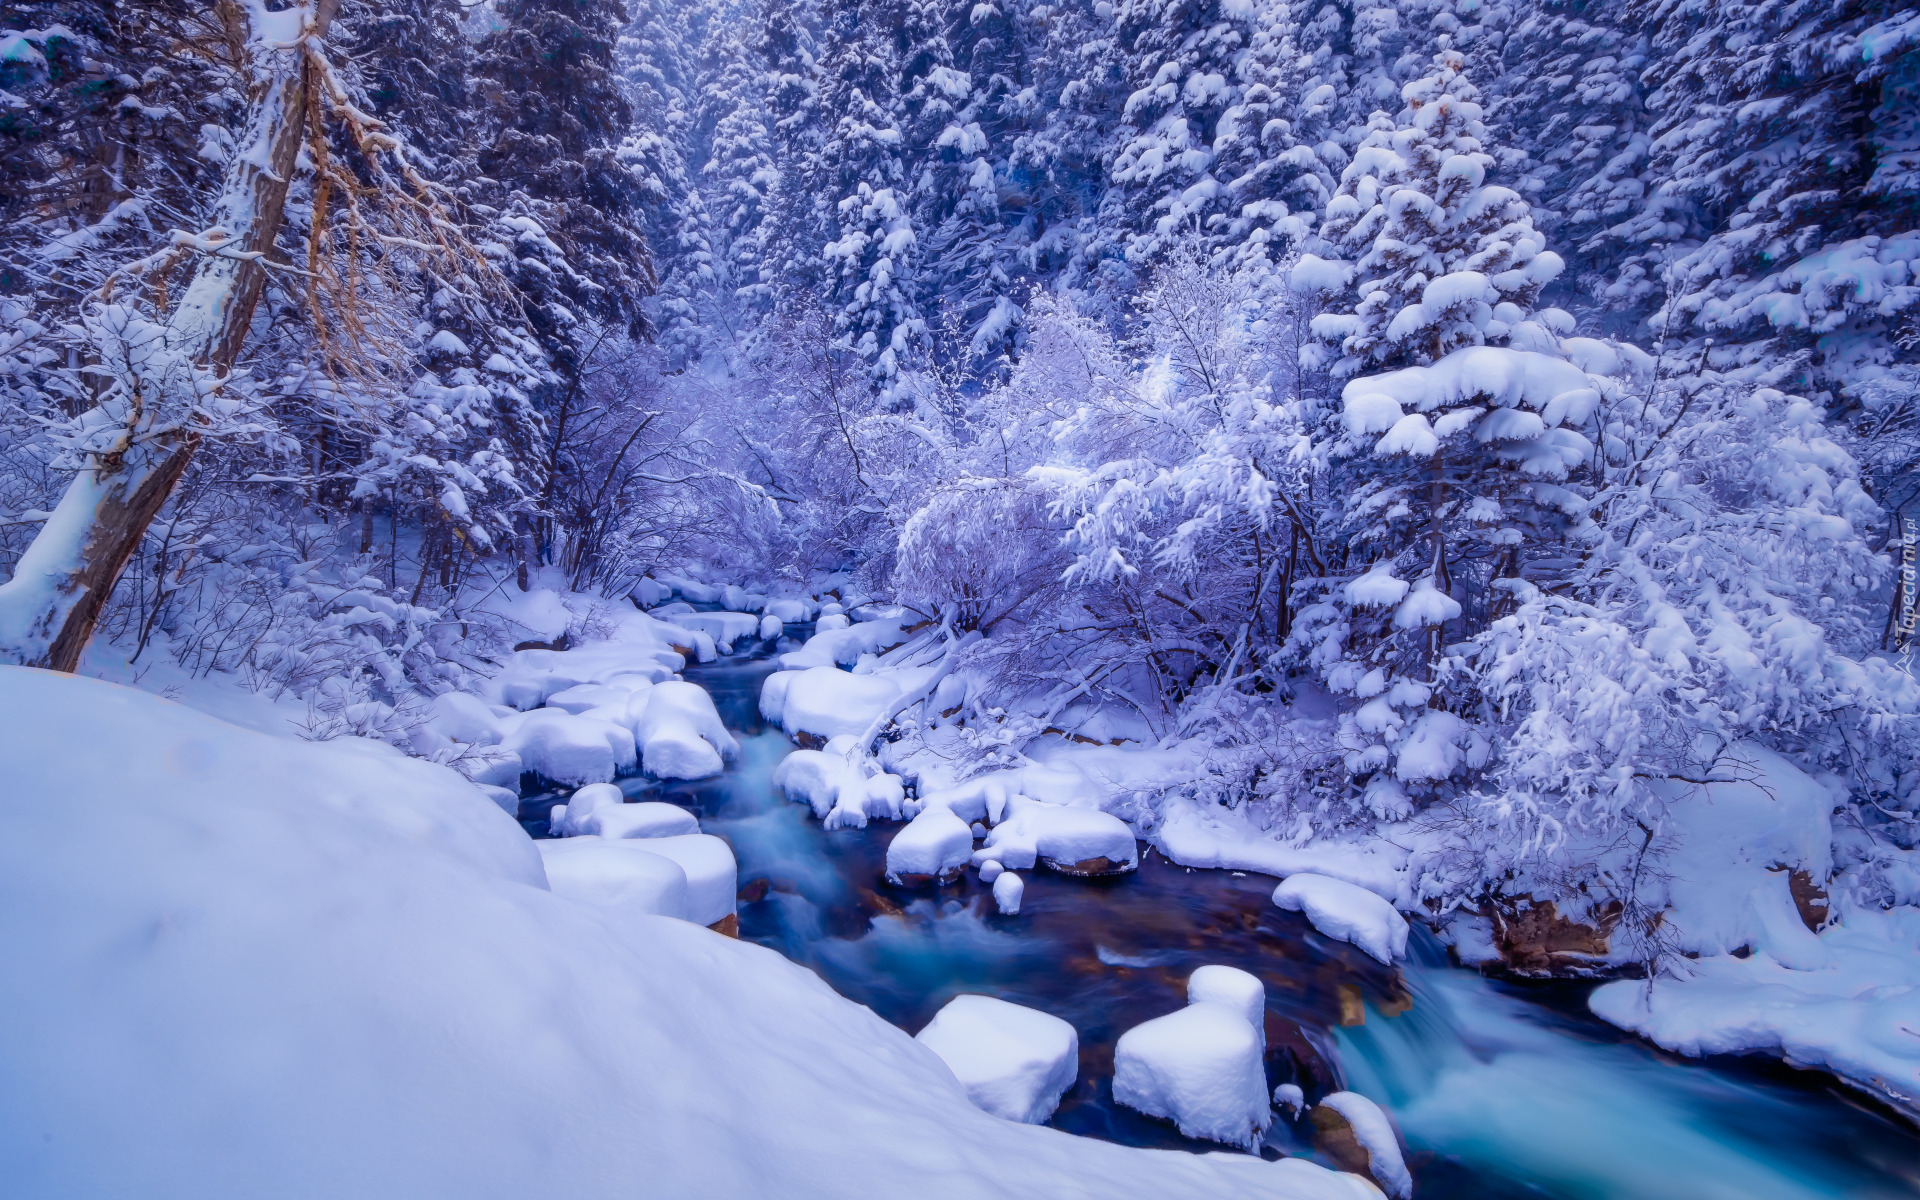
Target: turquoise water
column 1500, row 1091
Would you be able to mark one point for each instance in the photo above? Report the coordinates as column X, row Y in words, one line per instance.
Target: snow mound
column 724, row 628
column 570, row 749
column 647, row 819
column 936, row 843
column 1375, row 1134
column 843, row 792
column 713, row 877
column 620, row 876
column 1342, row 910
column 680, row 733
column 275, row 967
column 1234, row 988
column 568, row 820
column 1060, row 836
column 1008, row 891
column 843, row 642
column 1199, row 1068
column 828, row 702
column 1015, row 1062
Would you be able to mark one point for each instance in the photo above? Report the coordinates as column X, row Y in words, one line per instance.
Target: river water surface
column 1500, row 1090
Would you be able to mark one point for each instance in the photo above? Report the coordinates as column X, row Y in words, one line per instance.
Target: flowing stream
column 1499, row 1090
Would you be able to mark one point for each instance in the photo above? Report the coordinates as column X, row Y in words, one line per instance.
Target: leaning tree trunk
column 49, row 608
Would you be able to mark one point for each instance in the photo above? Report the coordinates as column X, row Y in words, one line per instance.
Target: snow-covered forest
column 1459, row 457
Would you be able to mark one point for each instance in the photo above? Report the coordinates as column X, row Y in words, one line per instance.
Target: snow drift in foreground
column 240, row 965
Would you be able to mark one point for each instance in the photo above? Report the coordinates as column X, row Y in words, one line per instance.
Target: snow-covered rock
column 713, row 877
column 934, row 845
column 680, row 733
column 569, row 819
column 725, row 628
column 1236, row 989
column 771, row 627
column 1065, row 838
column 620, row 876
column 324, row 969
column 1374, row 1134
column 790, row 610
column 826, row 701
column 843, row 790
column 1008, row 890
column 1345, row 911
column 647, row 819
column 570, row 749
column 1200, row 1068
column 1015, row 1062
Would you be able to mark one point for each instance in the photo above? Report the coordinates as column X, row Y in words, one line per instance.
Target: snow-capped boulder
column 1075, row 841
column 1200, row 1068
column 771, row 627
column 1015, row 1062
column 1236, row 989
column 1346, row 911
column 622, row 876
column 713, row 877
column 680, row 733
column 569, row 749
column 839, row 787
column 1008, row 890
column 1356, row 1133
column 647, row 819
column 569, row 819
column 935, row 845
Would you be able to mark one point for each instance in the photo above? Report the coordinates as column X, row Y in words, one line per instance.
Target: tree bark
column 59, row 592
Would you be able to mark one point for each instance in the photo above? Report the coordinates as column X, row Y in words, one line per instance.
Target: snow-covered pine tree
column 1453, row 468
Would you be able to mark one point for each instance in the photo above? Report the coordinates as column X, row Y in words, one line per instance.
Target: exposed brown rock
column 559, row 643
column 809, row 741
column 1535, row 939
column 728, row 925
column 914, row 879
column 1334, row 1137
column 1353, row 1010
column 1088, row 866
column 1809, row 897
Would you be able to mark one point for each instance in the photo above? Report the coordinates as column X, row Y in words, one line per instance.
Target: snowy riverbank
column 242, row 964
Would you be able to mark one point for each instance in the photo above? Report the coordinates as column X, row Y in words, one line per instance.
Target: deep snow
column 244, row 965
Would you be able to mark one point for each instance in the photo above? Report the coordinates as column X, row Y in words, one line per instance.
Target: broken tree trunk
column 49, row 608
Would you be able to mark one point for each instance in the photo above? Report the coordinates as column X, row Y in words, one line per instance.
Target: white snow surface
column 680, row 733
column 1342, row 910
column 1199, row 1067
column 1374, row 1132
column 647, row 819
column 1857, row 1014
column 844, row 790
column 713, row 877
column 934, row 842
column 260, row 966
column 1031, row 830
column 1015, row 1062
column 1238, row 990
column 621, row 876
column 1008, row 890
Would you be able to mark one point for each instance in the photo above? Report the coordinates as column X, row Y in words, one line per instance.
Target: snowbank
column 257, row 966
column 1352, row 914
column 1015, row 1062
column 1857, row 1014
